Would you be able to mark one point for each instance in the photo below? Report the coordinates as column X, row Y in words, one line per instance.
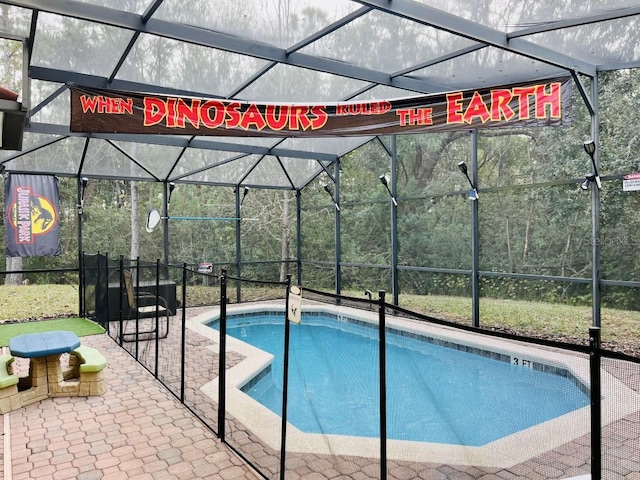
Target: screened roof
column 281, row 51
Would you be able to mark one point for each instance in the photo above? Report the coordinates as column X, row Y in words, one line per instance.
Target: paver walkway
column 136, row 430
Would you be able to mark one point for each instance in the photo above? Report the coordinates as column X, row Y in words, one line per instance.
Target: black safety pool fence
column 394, row 393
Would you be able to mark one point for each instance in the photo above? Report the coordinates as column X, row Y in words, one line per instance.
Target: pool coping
column 618, row 399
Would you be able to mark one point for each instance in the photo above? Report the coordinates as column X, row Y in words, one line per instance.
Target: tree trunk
column 525, row 251
column 285, row 244
column 13, row 263
column 510, row 256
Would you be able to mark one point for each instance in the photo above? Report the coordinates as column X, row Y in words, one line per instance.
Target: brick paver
column 126, row 433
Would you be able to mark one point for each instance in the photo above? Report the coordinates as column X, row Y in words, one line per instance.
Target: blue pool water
column 435, row 393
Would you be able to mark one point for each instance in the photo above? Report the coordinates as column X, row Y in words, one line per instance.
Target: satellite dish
column 153, row 219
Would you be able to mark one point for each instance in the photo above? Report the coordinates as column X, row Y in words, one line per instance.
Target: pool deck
column 138, row 430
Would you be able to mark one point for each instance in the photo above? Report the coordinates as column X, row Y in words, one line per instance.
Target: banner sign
column 96, row 110
column 32, row 223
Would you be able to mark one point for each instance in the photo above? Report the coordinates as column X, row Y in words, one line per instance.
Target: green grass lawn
column 534, row 318
column 622, row 326
column 80, row 326
column 38, row 301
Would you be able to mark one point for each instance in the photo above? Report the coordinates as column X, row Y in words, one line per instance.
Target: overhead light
column 244, row 194
column 473, row 194
column 84, row 182
column 590, row 147
column 328, row 190
column 172, row 187
column 384, row 180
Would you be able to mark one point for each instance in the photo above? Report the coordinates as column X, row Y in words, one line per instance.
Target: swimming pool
column 438, row 390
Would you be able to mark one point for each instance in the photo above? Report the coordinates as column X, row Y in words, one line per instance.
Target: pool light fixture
column 85, row 182
column 590, row 147
column 328, row 190
column 473, row 193
column 384, row 180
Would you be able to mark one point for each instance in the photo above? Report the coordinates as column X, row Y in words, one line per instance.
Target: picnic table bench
column 46, row 378
column 86, row 364
column 9, row 397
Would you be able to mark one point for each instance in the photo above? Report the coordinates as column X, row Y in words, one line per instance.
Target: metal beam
column 12, row 36
column 576, row 22
column 338, row 232
column 208, row 167
column 221, row 41
column 64, row 76
column 475, row 235
column 583, row 93
column 451, row 23
column 395, row 292
column 596, row 274
column 151, row 9
column 441, row 59
column 175, row 141
column 329, row 29
column 608, row 67
column 48, row 100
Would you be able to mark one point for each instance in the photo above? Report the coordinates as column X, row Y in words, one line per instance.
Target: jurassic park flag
column 32, row 222
column 541, row 103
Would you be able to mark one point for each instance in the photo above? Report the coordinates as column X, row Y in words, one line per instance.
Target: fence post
column 82, row 307
column 137, row 293
column 596, row 403
column 157, row 339
column 120, row 305
column 285, row 382
column 222, row 355
column 382, row 357
column 105, row 286
column 183, row 331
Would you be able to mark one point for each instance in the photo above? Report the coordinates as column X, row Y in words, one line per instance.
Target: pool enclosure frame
column 520, row 42
column 413, row 78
